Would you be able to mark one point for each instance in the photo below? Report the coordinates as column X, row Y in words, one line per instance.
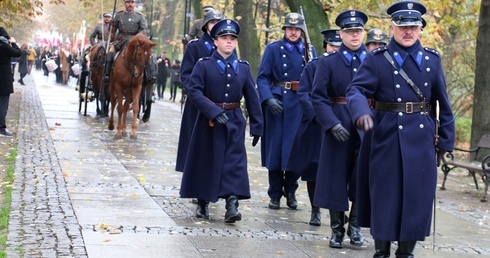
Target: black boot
column 232, row 214
column 291, row 200
column 146, row 115
column 108, row 66
column 382, row 249
column 315, row 216
column 202, row 211
column 275, row 203
column 405, row 249
column 354, row 232
column 337, row 225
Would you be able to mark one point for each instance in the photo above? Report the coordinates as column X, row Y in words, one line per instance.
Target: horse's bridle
column 132, row 65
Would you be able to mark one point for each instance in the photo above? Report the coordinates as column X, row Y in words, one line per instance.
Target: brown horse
column 101, row 90
column 126, row 82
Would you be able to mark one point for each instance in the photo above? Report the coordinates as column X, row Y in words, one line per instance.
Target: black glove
column 365, row 122
column 255, row 140
column 274, row 105
column 340, row 133
column 439, row 154
column 221, row 118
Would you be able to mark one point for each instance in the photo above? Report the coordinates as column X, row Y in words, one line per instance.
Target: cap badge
column 228, row 21
column 378, row 34
column 410, row 6
column 293, row 18
column 352, row 13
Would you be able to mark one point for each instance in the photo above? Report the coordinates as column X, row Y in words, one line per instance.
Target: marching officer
column 278, row 78
column 301, row 162
column 197, row 48
column 403, row 145
column 126, row 23
column 340, row 139
column 376, row 37
column 101, row 30
column 331, row 40
column 217, row 166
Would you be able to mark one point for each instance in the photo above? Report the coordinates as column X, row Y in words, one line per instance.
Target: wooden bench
column 479, row 164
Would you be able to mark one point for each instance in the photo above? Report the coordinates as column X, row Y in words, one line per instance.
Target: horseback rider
column 101, row 30
column 126, row 23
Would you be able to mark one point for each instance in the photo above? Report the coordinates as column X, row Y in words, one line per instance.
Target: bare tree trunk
column 481, row 119
column 249, row 45
column 316, row 19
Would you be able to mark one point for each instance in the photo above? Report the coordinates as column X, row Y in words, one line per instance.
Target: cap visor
column 402, row 23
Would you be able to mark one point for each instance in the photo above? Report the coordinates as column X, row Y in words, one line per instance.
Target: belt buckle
column 223, row 105
column 287, row 85
column 409, row 107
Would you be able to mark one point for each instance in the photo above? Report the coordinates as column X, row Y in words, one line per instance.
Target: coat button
column 285, row 92
column 355, row 69
column 226, row 94
column 398, row 100
column 426, row 84
column 228, row 85
column 428, row 69
column 284, row 56
column 397, row 86
column 229, row 75
column 285, row 65
column 400, row 127
column 285, row 74
column 400, row 113
column 396, row 72
column 421, row 126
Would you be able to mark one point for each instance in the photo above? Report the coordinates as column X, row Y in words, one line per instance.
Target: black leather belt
column 407, row 107
column 292, row 85
column 343, row 101
column 227, row 106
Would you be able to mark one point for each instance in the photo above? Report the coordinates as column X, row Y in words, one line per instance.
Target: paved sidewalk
column 80, row 193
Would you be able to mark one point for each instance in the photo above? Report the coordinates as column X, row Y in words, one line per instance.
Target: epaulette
column 431, row 50
column 203, row 58
column 379, row 50
column 192, row 40
column 243, row 61
column 137, row 12
column 331, row 53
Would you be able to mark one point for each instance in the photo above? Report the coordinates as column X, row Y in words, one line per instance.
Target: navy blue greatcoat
column 337, row 159
column 281, row 62
column 202, row 47
column 217, row 161
column 307, row 141
column 397, row 173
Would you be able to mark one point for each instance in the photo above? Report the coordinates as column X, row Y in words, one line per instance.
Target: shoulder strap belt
column 405, row 76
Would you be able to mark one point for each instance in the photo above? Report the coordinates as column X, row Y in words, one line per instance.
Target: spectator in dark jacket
column 163, row 65
column 23, row 67
column 174, row 79
column 8, row 49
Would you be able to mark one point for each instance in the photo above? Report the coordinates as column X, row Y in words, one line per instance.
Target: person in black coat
column 163, row 65
column 8, row 49
column 23, row 68
column 174, row 79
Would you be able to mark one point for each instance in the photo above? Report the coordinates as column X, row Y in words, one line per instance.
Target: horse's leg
column 121, row 127
column 136, row 91
column 113, row 106
column 127, row 102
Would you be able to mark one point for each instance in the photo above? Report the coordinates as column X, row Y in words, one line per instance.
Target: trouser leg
column 405, row 249
column 108, row 66
column 232, row 214
column 354, row 231
column 337, row 221
column 382, row 249
column 202, row 210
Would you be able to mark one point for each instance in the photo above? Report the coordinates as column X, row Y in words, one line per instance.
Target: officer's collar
column 126, row 11
column 348, row 54
column 401, row 53
column 300, row 45
column 221, row 63
column 208, row 43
